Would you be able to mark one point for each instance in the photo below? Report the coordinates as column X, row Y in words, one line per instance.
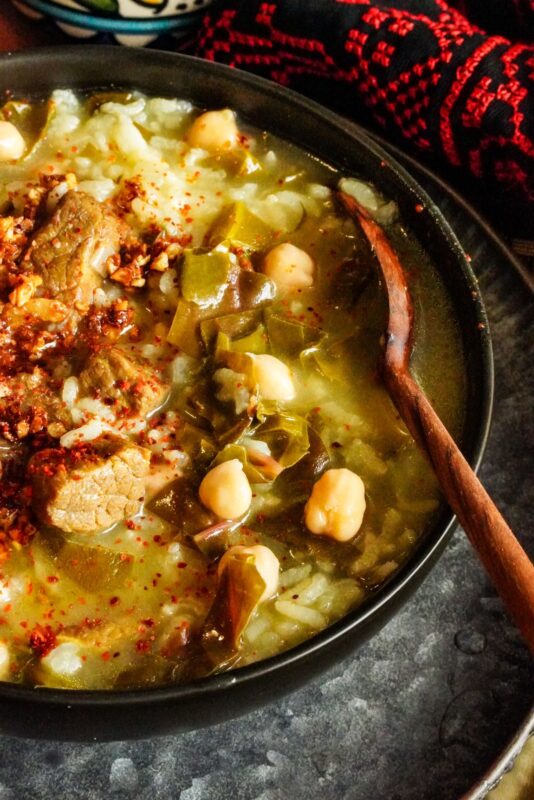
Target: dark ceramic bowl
column 86, row 715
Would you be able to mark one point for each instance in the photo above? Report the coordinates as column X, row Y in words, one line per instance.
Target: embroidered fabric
column 420, row 69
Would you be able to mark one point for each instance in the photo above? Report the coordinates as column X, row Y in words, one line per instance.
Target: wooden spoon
column 505, row 561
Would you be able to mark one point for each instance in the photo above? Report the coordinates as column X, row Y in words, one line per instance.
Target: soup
column 200, row 465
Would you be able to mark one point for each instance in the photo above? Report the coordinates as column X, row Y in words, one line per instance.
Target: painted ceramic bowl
column 130, row 22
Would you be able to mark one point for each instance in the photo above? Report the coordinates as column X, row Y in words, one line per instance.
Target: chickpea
column 225, row 490
column 336, row 505
column 265, row 562
column 289, row 267
column 12, row 145
column 214, row 130
column 273, row 377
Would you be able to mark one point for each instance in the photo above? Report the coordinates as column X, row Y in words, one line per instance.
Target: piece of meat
column 69, row 251
column 129, row 386
column 30, row 403
column 91, row 486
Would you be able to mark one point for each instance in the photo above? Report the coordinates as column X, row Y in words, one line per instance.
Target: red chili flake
column 294, row 596
column 419, row 208
column 91, row 624
column 181, row 565
column 106, row 655
column 52, row 579
column 148, row 622
column 114, row 600
column 142, row 646
column 42, row 640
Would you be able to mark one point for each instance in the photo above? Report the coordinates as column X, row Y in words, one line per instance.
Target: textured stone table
column 418, row 713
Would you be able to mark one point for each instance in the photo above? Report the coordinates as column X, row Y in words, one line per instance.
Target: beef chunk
column 30, row 403
column 129, row 385
column 90, row 486
column 69, row 249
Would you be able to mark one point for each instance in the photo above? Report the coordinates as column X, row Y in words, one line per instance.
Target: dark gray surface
column 419, row 712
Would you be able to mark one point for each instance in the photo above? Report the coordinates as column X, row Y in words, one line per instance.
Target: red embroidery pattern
column 421, row 68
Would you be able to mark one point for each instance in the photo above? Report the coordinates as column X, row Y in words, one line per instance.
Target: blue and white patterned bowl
column 131, row 22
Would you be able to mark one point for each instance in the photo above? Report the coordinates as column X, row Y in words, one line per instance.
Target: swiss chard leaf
column 31, row 120
column 287, row 438
column 237, row 224
column 238, row 595
column 184, row 327
column 287, row 337
column 224, row 424
column 254, row 342
column 257, row 466
column 213, row 286
column 178, row 504
column 235, row 326
column 94, row 568
column 206, row 277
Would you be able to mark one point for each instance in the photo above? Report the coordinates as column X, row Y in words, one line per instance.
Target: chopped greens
column 237, row 225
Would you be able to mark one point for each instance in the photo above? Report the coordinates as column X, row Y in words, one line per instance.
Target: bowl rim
column 504, row 762
column 430, row 545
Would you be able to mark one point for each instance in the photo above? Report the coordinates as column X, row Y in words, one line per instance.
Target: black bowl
column 108, row 715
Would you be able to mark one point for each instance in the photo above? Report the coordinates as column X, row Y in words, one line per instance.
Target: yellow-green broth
column 130, row 603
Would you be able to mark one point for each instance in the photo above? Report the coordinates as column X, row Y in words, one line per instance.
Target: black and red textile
column 420, row 68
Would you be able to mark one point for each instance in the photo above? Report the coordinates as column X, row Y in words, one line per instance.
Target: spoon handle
column 508, row 566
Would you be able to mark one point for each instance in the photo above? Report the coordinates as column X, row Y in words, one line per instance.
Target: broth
column 181, row 313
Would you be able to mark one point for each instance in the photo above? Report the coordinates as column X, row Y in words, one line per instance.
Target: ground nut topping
column 24, row 289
